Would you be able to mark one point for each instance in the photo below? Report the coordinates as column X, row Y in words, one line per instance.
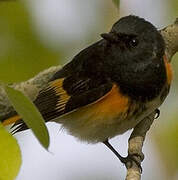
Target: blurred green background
column 28, row 47
column 22, row 55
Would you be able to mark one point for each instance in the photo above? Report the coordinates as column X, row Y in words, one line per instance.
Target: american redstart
column 110, row 86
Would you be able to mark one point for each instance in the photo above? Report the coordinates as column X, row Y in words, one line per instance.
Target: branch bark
column 136, row 140
column 170, row 34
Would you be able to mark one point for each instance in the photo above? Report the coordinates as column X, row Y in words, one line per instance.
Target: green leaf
column 116, row 2
column 10, row 155
column 30, row 115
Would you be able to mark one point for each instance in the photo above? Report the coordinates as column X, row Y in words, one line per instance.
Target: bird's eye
column 133, row 42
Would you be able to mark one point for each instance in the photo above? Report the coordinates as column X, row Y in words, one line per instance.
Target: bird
column 108, row 87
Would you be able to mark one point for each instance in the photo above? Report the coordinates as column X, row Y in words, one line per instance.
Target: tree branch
column 30, row 88
column 136, row 140
column 170, row 34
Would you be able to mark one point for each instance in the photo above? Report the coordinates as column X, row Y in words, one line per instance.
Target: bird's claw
column 157, row 113
column 128, row 161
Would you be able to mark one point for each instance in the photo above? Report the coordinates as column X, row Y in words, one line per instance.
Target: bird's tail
column 15, row 120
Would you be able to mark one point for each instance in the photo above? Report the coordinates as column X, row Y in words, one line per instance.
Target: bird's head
column 134, row 51
column 136, row 36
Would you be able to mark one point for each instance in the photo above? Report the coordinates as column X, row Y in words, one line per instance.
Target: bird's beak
column 110, row 37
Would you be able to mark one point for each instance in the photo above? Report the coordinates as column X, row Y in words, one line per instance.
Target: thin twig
column 136, row 141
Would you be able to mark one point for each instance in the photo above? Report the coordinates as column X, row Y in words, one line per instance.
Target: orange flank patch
column 109, row 109
column 168, row 70
column 113, row 103
column 11, row 120
column 99, row 119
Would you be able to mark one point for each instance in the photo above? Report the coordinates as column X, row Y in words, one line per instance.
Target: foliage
column 22, row 55
column 10, row 155
column 30, row 115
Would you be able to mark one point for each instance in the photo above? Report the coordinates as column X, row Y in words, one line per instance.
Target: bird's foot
column 157, row 113
column 132, row 158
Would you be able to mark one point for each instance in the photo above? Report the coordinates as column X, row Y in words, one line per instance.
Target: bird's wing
column 62, row 96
